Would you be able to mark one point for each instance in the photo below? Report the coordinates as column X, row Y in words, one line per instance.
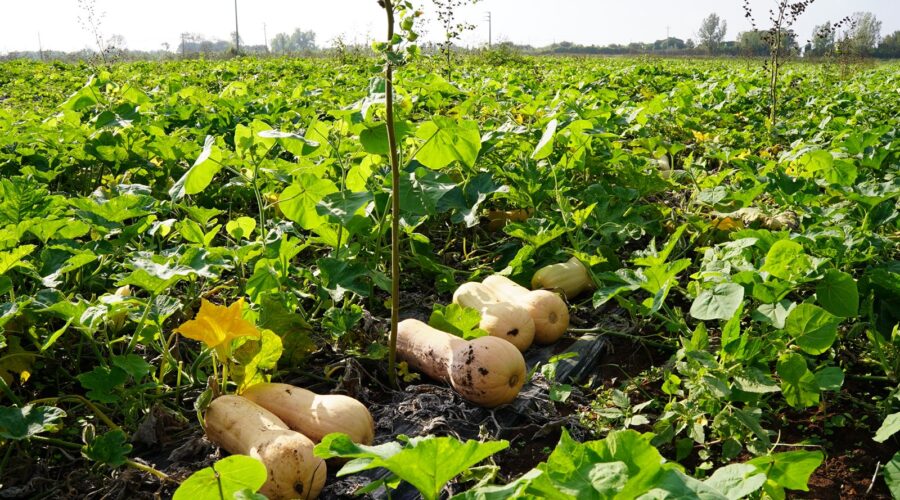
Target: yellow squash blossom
column 216, row 326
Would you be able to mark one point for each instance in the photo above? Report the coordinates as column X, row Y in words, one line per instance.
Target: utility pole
column 183, row 47
column 490, row 30
column 265, row 38
column 40, row 47
column 237, row 34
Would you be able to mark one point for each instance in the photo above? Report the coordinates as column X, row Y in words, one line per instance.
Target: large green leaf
column 789, row 470
column 23, row 423
column 110, row 449
column 889, row 427
column 254, row 357
column 838, row 294
column 428, row 463
column 223, row 480
column 798, row 384
column 545, row 146
column 458, row 320
column 448, row 140
column 787, row 260
column 201, row 174
column 12, row 259
column 737, row 480
column 719, row 302
column 892, row 475
column 813, row 328
column 299, row 200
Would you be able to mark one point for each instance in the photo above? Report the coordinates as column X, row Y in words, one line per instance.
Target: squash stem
column 395, row 201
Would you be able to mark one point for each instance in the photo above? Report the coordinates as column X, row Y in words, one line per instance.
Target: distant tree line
column 860, row 37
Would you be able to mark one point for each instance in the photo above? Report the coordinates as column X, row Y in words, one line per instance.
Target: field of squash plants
column 180, row 241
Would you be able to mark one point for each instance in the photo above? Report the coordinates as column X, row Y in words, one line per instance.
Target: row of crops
column 760, row 257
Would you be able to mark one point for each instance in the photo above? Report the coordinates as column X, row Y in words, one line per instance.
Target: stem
column 140, row 327
column 79, row 399
column 9, row 393
column 146, row 468
column 395, row 201
column 614, row 333
column 75, row 446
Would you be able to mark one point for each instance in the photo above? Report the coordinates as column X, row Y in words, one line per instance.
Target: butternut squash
column 315, row 415
column 547, row 309
column 240, row 426
column 500, row 319
column 497, row 219
column 571, row 278
column 487, row 371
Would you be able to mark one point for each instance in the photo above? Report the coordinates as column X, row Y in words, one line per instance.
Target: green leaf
column 736, row 480
column 288, row 324
column 798, row 384
column 101, row 383
column 242, row 227
column 374, row 139
column 254, row 357
column 118, row 209
column 838, row 294
column 23, row 423
column 133, row 365
column 427, row 463
column 448, row 140
column 85, row 97
column 12, row 259
column 110, row 449
column 342, row 206
column 458, row 320
column 625, row 463
column 293, row 143
column 718, row 303
column 830, row 378
column 299, row 200
column 889, row 427
column 790, row 470
column 787, row 260
column 813, row 328
column 422, row 190
column 228, row 476
column 201, row 174
column 892, row 475
column 342, row 276
column 545, row 146
column 340, row 321
column 774, row 314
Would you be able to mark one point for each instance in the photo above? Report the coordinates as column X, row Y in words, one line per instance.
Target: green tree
column 302, row 41
column 753, row 43
column 823, row 39
column 281, row 43
column 865, row 33
column 890, row 46
column 712, row 32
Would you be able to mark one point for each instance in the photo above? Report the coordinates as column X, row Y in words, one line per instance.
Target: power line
column 237, row 33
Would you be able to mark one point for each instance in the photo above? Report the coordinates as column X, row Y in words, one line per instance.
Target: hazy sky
column 149, row 24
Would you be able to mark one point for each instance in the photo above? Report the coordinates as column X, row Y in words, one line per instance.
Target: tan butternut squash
column 571, row 278
column 243, row 427
column 500, row 319
column 497, row 219
column 487, row 371
column 547, row 309
column 315, row 415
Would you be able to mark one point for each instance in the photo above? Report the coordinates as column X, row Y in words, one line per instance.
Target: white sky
column 149, row 24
